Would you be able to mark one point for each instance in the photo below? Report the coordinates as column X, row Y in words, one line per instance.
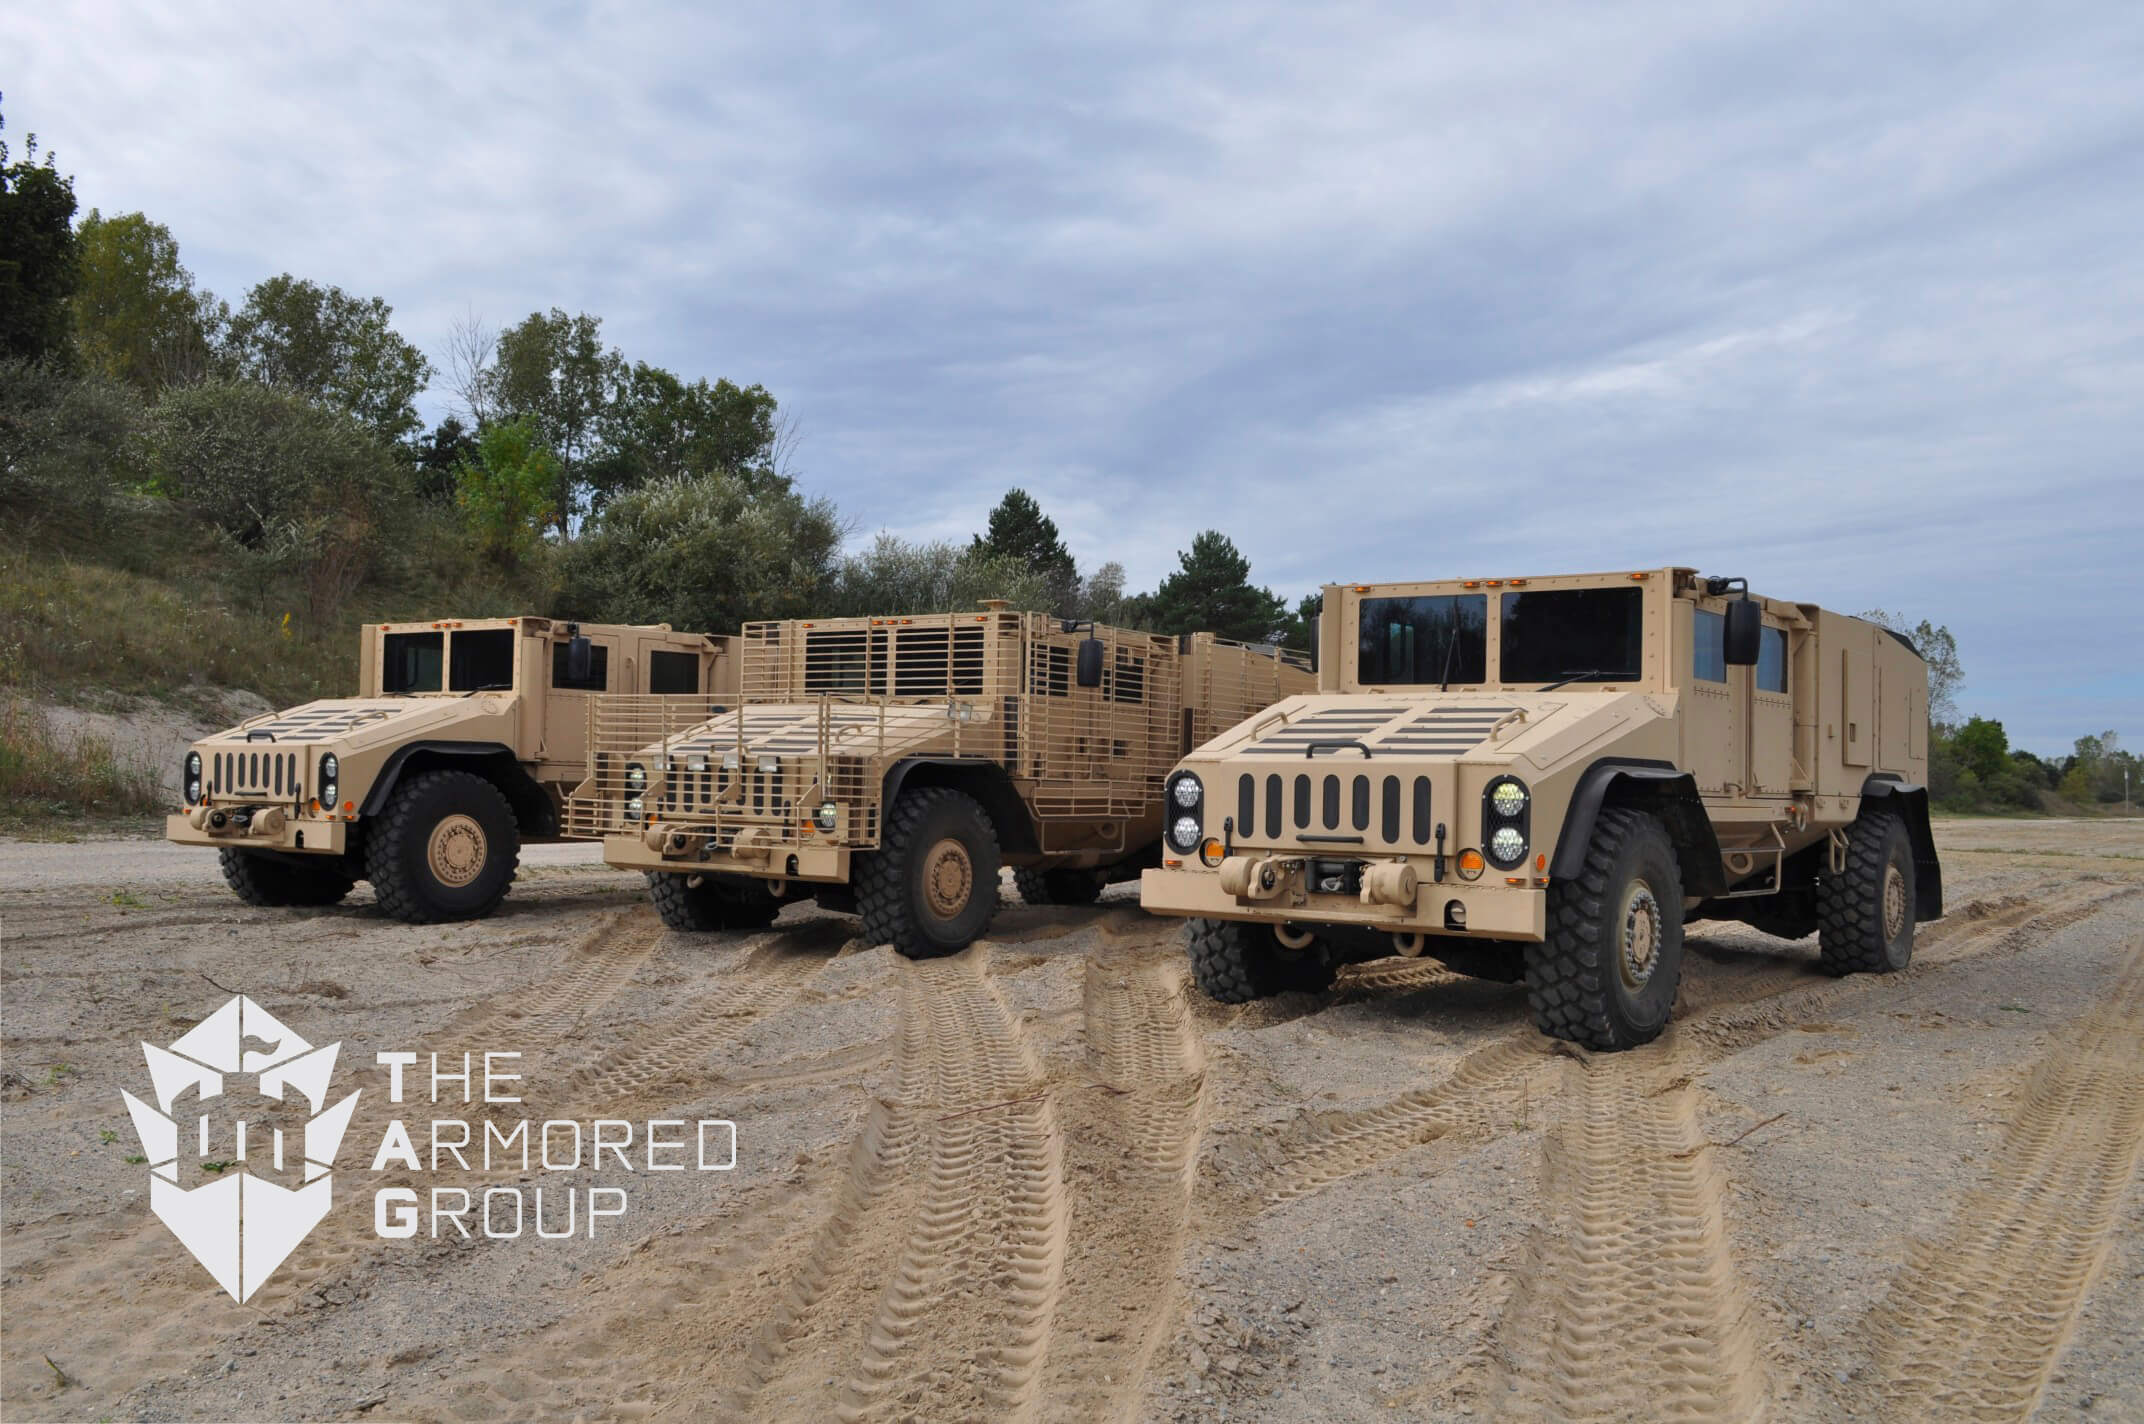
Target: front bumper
column 1491, row 912
column 299, row 834
column 763, row 860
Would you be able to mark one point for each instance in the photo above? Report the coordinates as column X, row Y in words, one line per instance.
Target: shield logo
column 244, row 1224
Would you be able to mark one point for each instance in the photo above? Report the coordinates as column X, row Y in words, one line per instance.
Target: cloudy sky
column 1843, row 298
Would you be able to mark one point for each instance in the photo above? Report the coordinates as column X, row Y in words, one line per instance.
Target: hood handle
column 1311, row 750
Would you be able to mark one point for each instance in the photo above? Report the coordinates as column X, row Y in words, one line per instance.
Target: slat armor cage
column 827, row 707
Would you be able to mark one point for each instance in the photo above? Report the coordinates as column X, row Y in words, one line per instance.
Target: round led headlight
column 1187, row 791
column 633, row 808
column 330, row 778
column 825, row 818
column 193, row 776
column 636, row 778
column 1507, row 846
column 1184, row 834
column 1507, row 798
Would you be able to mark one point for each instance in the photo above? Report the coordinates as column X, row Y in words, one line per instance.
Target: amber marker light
column 1470, row 865
column 348, row 807
column 1210, row 850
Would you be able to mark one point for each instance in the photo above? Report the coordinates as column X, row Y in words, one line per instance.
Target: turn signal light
column 1470, row 864
column 1210, row 850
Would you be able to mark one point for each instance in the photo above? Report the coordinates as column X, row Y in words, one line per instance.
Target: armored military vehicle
column 1545, row 778
column 888, row 766
column 460, row 744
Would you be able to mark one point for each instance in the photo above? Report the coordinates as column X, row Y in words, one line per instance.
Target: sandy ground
column 1043, row 1179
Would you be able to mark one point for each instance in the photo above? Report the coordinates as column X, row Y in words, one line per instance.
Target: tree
column 505, row 489
column 659, row 426
column 1938, row 649
column 894, row 576
column 65, row 443
column 1299, row 630
column 137, row 316
column 1019, row 531
column 38, row 256
column 710, row 552
column 1211, row 592
column 553, row 369
column 328, row 346
column 437, row 458
column 1983, row 748
column 1101, row 595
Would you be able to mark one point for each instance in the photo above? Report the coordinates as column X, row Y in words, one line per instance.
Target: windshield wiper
column 489, row 687
column 1584, row 675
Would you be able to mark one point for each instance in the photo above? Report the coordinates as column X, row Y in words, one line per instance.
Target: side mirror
column 1745, row 631
column 580, row 654
column 1090, row 662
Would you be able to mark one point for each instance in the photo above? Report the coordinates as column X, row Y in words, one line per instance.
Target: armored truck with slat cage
column 461, row 743
column 888, row 767
column 1545, row 778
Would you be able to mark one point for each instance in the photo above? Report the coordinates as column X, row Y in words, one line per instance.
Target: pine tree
column 1212, row 592
column 1021, row 532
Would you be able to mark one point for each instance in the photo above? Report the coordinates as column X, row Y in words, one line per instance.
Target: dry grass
column 46, row 777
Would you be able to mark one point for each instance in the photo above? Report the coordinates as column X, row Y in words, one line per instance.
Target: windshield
column 412, row 662
column 481, row 658
column 1433, row 639
column 1586, row 634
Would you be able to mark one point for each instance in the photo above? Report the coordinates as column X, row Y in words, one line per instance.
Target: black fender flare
column 988, row 782
column 1658, row 787
column 534, row 810
column 1910, row 801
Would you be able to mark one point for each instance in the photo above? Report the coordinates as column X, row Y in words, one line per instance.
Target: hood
column 353, row 723
column 1540, row 727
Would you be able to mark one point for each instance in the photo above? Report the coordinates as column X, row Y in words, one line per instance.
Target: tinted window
column 479, row 659
column 1772, row 661
column 1708, row 658
column 411, row 662
column 1424, row 640
column 598, row 678
column 1549, row 636
column 673, row 672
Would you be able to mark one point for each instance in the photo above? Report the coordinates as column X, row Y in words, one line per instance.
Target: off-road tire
column 897, row 907
column 1057, row 887
column 1234, row 962
column 1853, row 906
column 399, row 847
column 716, row 903
column 1582, row 984
column 266, row 881
column 1479, row 958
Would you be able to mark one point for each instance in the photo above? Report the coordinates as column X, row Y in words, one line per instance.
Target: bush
column 44, row 775
column 66, row 444
column 706, row 553
column 894, row 576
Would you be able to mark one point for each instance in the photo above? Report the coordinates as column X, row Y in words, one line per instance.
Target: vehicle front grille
column 1363, row 807
column 267, row 775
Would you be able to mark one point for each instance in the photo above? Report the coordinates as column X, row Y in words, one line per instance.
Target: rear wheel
column 932, row 885
column 266, row 880
column 445, row 849
column 1865, row 912
column 1606, row 974
column 700, row 903
column 1057, row 887
column 1235, row 962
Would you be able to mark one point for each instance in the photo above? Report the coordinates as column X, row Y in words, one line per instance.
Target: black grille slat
column 1331, row 798
column 1246, row 802
column 1421, row 810
column 1392, row 810
column 1302, row 802
column 1362, row 803
column 1273, row 807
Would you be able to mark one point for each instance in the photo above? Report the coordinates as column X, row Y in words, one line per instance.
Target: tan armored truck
column 1545, row 778
column 460, row 744
column 888, row 766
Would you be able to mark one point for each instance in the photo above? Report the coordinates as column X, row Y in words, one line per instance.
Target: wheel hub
column 1641, row 927
column 456, row 850
column 948, row 878
column 1894, row 901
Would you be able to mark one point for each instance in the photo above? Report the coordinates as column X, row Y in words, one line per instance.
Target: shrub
column 43, row 774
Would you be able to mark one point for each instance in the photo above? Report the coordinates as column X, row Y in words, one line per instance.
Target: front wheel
column 932, row 885
column 1057, row 887
column 1865, row 912
column 1235, row 962
column 698, row 904
column 1606, row 974
column 444, row 849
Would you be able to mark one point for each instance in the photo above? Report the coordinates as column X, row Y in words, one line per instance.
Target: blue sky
column 1843, row 298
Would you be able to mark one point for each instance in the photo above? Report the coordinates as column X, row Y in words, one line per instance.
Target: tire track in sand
column 1628, row 1304
column 1134, row 1119
column 947, row 1236
column 1976, row 1319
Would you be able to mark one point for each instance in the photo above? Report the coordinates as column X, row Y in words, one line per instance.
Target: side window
column 598, row 679
column 1772, row 661
column 673, row 672
column 1708, row 640
column 1127, row 682
column 1050, row 675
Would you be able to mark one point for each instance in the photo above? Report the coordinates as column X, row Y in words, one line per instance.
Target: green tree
column 38, row 256
column 1020, row 532
column 1983, row 748
column 659, row 426
column 1299, row 629
column 328, row 346
column 895, row 576
column 505, row 490
column 1211, row 591
column 1939, row 650
column 554, row 369
column 710, row 552
column 137, row 316
column 436, row 458
column 66, row 444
